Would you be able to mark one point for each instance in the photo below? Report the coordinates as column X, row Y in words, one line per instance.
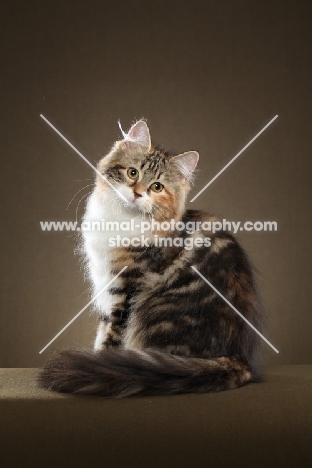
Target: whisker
column 84, row 196
column 77, row 194
column 159, row 213
column 82, row 180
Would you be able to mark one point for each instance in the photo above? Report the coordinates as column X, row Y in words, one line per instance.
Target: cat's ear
column 186, row 163
column 138, row 134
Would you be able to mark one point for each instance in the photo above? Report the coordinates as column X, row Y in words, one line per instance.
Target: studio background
column 207, row 75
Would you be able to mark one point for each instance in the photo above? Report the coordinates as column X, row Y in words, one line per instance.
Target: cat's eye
column 133, row 173
column 156, row 187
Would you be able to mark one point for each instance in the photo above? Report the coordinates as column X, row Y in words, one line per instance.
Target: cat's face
column 146, row 178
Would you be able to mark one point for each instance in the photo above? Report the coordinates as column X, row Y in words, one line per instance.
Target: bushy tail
column 118, row 373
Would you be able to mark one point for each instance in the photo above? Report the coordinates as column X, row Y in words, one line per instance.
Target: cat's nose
column 137, row 195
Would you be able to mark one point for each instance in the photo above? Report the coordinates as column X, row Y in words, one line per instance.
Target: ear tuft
column 138, row 134
column 186, row 163
column 120, row 127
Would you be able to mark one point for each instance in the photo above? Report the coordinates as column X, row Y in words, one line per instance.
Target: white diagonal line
column 235, row 310
column 84, row 308
column 83, row 157
column 233, row 159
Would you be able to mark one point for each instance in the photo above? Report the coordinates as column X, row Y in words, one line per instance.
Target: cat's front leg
column 113, row 324
column 103, row 331
column 107, row 302
column 110, row 330
column 114, row 303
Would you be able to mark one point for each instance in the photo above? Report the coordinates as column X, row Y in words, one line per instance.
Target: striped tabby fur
column 162, row 329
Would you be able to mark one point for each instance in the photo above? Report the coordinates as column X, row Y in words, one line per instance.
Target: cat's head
column 145, row 178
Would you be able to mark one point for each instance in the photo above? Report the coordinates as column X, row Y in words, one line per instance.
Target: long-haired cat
column 162, row 328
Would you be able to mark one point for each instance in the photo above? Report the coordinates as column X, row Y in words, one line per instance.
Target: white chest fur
column 102, row 209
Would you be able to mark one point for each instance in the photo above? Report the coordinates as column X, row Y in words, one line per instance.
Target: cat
column 162, row 329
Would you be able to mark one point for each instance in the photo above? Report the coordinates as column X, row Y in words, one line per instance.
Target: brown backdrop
column 207, row 75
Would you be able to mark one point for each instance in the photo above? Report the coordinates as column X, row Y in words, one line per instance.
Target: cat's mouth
column 139, row 203
column 136, row 196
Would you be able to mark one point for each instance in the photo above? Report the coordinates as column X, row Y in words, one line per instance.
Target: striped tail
column 118, row 372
